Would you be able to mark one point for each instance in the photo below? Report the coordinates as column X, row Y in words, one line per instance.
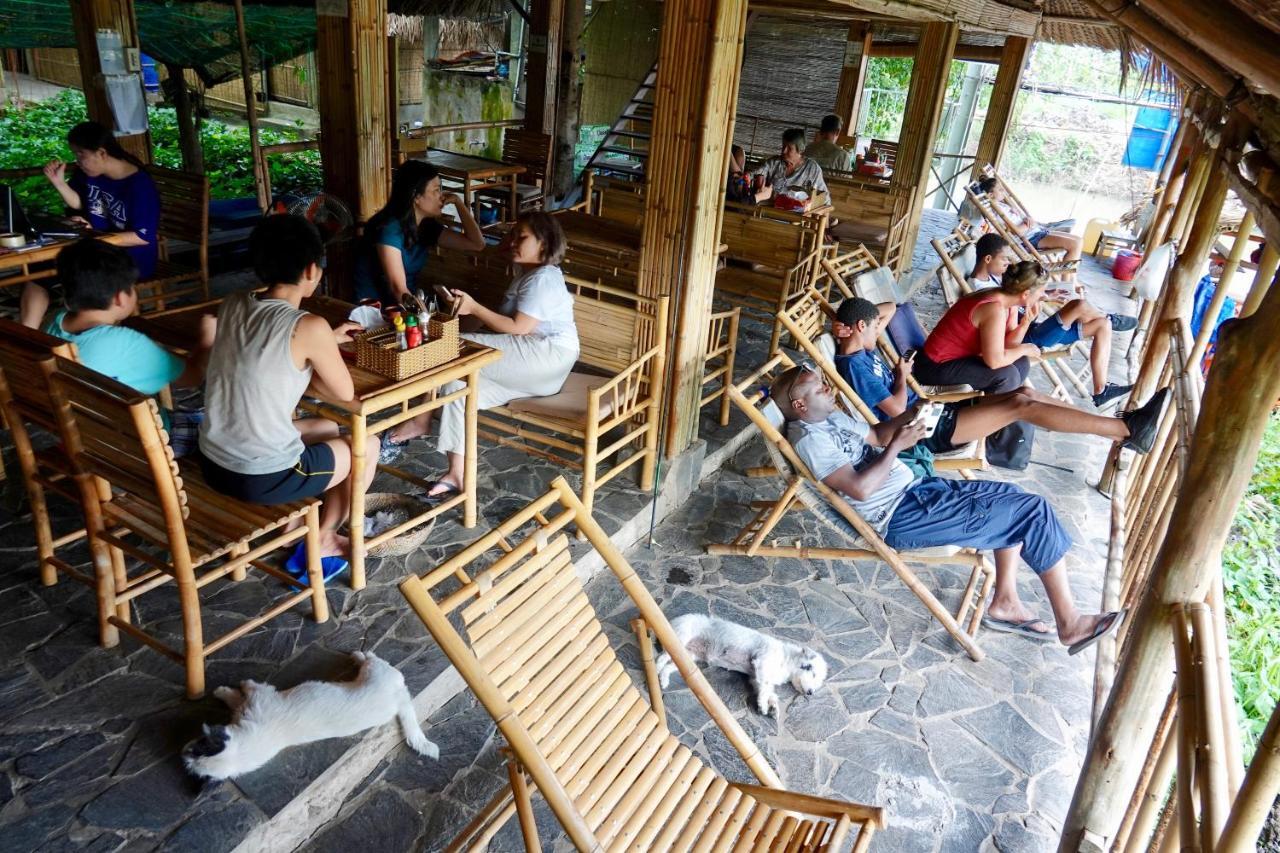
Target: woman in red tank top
column 978, row 342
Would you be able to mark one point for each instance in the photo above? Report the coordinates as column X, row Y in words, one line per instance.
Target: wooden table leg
column 358, row 433
column 469, row 457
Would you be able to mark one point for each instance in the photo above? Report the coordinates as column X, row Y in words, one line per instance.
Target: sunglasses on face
column 805, row 367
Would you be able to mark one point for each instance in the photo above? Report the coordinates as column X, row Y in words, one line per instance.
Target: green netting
column 201, row 36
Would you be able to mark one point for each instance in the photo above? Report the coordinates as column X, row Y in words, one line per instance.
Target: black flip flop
column 450, row 491
column 1022, row 629
column 1108, row 623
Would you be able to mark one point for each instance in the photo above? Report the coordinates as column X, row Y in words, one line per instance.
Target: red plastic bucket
column 1126, row 264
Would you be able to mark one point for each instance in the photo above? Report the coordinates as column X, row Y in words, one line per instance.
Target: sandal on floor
column 450, row 491
column 1108, row 623
column 1022, row 629
column 296, row 565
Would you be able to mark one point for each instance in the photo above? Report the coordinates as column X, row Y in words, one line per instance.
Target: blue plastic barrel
column 150, row 79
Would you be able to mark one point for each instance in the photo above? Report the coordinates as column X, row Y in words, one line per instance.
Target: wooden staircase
column 625, row 148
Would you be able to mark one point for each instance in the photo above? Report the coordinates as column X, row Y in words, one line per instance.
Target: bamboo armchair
column 600, row 413
column 1000, row 223
column 26, row 365
column 806, row 320
column 871, row 213
column 183, row 531
column 539, row 661
column 722, row 350
column 802, row 491
column 531, row 149
column 184, row 217
column 776, row 260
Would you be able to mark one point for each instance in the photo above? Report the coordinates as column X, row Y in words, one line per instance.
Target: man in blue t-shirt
column 887, row 392
column 99, row 282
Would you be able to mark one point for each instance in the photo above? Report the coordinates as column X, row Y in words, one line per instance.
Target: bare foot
column 1082, row 628
column 443, row 485
column 1017, row 613
column 334, row 545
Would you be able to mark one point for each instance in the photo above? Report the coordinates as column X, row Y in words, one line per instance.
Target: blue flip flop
column 296, row 565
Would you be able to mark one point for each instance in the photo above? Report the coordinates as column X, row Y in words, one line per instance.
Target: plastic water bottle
column 402, row 340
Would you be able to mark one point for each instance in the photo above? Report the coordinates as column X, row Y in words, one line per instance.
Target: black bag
column 1010, row 446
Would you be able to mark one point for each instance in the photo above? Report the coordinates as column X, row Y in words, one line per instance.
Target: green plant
column 1251, row 582
column 36, row 133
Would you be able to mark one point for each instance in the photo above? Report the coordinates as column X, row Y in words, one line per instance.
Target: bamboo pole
column 1152, row 786
column 1146, row 823
column 1226, row 689
column 251, row 111
column 995, row 130
column 1208, row 323
column 1257, row 794
column 1263, row 280
column 1193, row 193
column 1211, row 771
column 1171, row 165
column 1104, row 668
column 1242, row 387
column 853, row 75
column 1188, row 706
column 1227, row 33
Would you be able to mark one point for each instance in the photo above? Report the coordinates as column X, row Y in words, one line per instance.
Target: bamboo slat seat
column 184, row 218
column 139, row 502
column 804, row 491
column 531, row 149
column 538, row 659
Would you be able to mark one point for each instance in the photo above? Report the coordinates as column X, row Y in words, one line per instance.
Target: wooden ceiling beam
column 1222, row 30
column 985, row 15
column 966, row 52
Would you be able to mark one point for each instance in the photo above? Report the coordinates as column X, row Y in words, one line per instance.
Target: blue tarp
column 1151, row 136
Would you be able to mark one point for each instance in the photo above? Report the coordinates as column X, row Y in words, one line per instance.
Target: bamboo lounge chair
column 806, row 321
column 539, row 661
column 805, row 492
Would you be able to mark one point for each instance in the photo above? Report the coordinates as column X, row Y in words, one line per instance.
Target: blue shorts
column 982, row 514
column 308, row 478
column 1049, row 333
column 1034, row 237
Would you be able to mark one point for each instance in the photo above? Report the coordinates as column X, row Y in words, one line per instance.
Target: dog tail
column 417, row 741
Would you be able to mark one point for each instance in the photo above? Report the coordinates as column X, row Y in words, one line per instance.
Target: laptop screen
column 12, row 217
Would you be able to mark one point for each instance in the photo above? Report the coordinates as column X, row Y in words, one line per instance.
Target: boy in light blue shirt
column 99, row 279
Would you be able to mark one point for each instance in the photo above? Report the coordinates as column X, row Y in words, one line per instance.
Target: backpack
column 1010, row 446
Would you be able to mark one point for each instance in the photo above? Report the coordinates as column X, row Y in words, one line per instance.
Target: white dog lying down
column 266, row 720
column 768, row 660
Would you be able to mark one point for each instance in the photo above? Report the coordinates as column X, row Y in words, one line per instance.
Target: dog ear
column 214, row 741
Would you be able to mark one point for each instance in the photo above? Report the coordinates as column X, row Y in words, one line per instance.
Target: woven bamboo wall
column 621, row 43
column 790, row 75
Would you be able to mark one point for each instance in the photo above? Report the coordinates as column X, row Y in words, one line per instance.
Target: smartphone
column 908, row 355
column 929, row 415
column 443, row 293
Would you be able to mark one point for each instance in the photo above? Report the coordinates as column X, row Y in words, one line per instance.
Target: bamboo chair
column 806, row 321
column 803, row 491
column 189, row 534
column 184, row 217
column 537, row 658
column 953, row 251
column 1052, row 260
column 722, row 349
column 26, row 365
column 531, row 149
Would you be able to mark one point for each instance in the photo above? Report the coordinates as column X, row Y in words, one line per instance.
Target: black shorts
column 940, row 441
column 308, row 478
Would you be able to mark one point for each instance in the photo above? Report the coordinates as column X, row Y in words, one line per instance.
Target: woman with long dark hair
column 110, row 191
column 399, row 237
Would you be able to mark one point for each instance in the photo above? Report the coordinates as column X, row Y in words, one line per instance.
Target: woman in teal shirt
column 399, row 237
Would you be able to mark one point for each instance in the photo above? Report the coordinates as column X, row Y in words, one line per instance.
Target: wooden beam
column 995, row 129
column 188, row 121
column 699, row 69
column 1227, row 33
column 260, row 179
column 1077, row 21
column 568, row 108
column 1257, row 795
column 1242, row 387
column 966, row 52
column 985, row 15
column 853, row 75
column 542, row 74
column 87, row 17
column 920, row 119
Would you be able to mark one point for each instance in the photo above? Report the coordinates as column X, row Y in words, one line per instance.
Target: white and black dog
column 768, row 660
column 265, row 720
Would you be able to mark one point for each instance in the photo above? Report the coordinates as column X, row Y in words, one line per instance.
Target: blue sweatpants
column 981, row 514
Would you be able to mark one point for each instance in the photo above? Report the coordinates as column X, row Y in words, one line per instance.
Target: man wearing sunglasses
column 859, row 461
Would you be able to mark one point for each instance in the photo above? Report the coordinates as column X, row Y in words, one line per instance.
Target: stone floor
column 964, row 756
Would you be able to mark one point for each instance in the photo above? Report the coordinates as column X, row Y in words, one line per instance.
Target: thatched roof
column 1077, row 22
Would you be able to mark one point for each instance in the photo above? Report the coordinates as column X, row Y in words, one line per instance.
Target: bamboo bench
column 871, row 213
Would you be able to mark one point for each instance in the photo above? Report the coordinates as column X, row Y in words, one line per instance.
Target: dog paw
column 425, row 747
column 767, row 705
column 359, row 657
column 228, row 695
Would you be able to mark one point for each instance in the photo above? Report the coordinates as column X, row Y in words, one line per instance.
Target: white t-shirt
column 541, row 293
column 986, row 283
column 827, row 446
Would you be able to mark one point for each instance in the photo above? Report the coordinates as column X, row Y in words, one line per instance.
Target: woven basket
column 402, row 507
column 378, row 351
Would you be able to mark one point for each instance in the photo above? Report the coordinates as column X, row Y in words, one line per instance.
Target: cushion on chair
column 827, row 346
column 848, row 231
column 570, row 404
column 967, row 259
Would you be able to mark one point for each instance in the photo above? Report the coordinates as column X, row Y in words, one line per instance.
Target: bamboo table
column 376, row 396
column 477, row 173
column 23, row 259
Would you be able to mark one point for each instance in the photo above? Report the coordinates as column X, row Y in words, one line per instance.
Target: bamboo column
column 1263, row 280
column 87, row 17
column 560, row 178
column 260, row 180
column 995, row 129
column 1181, row 227
column 1163, row 180
column 1261, row 785
column 699, row 67
column 542, row 72
column 188, row 121
column 1238, row 249
column 925, row 95
column 853, row 75
column 1182, row 156
column 1242, row 387
column 1178, row 294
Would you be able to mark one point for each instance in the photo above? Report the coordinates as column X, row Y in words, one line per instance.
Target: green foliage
column 888, row 79
column 1251, row 580
column 37, row 133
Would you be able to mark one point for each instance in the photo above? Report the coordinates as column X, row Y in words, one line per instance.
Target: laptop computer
column 13, row 219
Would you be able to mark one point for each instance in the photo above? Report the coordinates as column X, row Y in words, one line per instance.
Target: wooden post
column 699, row 67
column 1242, row 387
column 543, row 72
column 87, row 17
column 1180, row 291
column 570, row 104
column 1167, row 170
column 1263, row 280
column 995, row 129
column 920, row 119
column 251, row 111
column 853, row 76
column 1261, row 784
column 188, row 121
column 1220, row 293
column 1227, row 33
column 355, row 133
column 1192, row 192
